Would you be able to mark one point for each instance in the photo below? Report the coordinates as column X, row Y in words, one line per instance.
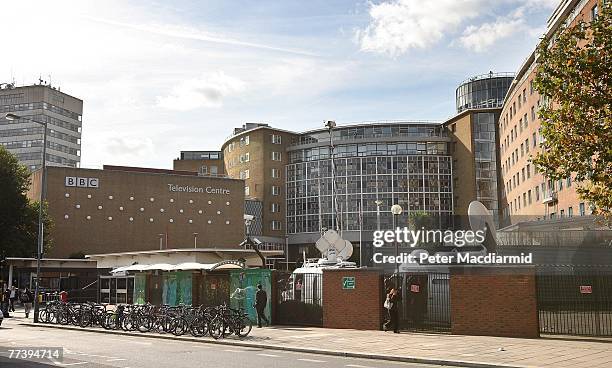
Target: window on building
column 214, row 170
column 524, row 95
column 522, row 149
column 531, row 87
column 527, row 145
column 533, row 114
column 244, row 141
column 276, row 225
column 275, row 190
column 560, row 184
column 594, row 12
column 525, row 120
column 277, row 139
column 245, row 157
column 524, row 199
column 247, row 192
column 529, row 196
column 528, row 171
column 276, row 156
column 523, row 174
column 203, row 170
column 570, row 212
column 568, row 181
column 534, row 140
column 537, row 193
column 275, row 173
column 245, row 174
column 562, row 214
column 581, row 209
column 274, row 207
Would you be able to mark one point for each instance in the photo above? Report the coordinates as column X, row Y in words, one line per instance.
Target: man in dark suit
column 261, row 299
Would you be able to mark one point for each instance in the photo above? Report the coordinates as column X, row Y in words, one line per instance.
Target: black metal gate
column 425, row 303
column 299, row 299
column 575, row 300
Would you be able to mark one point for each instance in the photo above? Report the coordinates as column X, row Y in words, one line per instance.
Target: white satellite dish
column 332, row 246
column 480, row 217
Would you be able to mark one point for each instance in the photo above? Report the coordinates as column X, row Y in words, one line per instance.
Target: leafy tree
column 574, row 74
column 18, row 215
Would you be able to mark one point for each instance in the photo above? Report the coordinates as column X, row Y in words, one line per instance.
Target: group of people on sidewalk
column 12, row 294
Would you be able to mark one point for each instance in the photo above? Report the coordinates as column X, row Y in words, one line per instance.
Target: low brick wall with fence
column 351, row 299
column 494, row 301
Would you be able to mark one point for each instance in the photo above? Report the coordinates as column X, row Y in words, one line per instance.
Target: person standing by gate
column 391, row 303
column 261, row 299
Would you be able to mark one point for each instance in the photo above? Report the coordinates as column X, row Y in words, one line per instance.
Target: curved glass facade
column 399, row 169
column 483, row 91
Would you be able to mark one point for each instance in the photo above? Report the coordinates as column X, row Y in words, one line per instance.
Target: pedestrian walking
column 391, row 304
column 27, row 298
column 261, row 299
column 12, row 298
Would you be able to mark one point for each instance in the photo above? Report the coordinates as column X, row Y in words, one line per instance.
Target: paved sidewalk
column 467, row 351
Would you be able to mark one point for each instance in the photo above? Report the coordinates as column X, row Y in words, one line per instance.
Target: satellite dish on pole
column 333, row 247
column 481, row 219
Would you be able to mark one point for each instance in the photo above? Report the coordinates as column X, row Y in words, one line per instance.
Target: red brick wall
column 494, row 302
column 359, row 308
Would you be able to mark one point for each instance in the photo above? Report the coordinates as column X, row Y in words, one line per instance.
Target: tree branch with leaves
column 574, row 75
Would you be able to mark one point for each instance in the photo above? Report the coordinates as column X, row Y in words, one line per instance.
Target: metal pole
column 396, row 254
column 333, row 178
column 43, row 184
column 195, row 240
column 360, row 231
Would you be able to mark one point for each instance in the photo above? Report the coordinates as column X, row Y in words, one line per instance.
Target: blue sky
column 159, row 77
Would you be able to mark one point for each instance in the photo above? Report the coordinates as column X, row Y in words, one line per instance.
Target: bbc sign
column 73, row 181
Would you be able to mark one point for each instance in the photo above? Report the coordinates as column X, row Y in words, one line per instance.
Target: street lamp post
column 330, row 124
column 195, row 240
column 396, row 210
column 43, row 187
column 378, row 204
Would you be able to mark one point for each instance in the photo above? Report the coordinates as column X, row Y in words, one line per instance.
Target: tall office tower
column 475, row 144
column 41, row 103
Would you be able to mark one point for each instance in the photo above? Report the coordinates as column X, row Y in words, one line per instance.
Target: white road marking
column 312, row 360
column 234, row 351
column 269, row 355
column 69, row 364
column 358, row 366
column 115, row 360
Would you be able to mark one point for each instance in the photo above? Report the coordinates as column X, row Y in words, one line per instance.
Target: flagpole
column 360, row 231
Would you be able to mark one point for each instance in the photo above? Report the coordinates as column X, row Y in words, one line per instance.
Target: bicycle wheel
column 199, row 327
column 216, row 328
column 85, row 319
column 179, row 326
column 244, row 326
column 145, row 323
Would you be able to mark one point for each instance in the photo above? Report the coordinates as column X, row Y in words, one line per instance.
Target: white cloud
column 129, row 146
column 480, row 38
column 397, row 26
column 207, row 91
